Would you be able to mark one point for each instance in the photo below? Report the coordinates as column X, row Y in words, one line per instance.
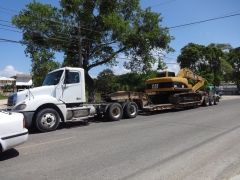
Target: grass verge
column 2, row 96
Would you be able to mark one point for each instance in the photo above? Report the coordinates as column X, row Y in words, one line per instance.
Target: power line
column 204, row 21
column 6, row 13
column 60, row 38
column 14, row 41
column 8, row 9
column 8, row 26
column 215, row 17
column 10, row 30
column 162, row 3
column 57, row 37
column 5, row 21
column 8, row 40
column 183, row 25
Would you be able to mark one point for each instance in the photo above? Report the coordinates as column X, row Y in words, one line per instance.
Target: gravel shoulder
column 3, row 104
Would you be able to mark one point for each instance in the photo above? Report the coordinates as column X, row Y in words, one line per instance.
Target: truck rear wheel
column 206, row 101
column 211, row 101
column 216, row 100
column 47, row 120
column 130, row 110
column 114, row 112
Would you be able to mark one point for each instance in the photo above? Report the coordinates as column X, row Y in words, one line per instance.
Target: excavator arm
column 187, row 73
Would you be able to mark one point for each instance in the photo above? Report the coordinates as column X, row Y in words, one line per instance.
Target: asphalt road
column 200, row 143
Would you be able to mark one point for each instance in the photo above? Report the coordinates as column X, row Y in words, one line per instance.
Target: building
column 6, row 81
column 23, row 81
column 228, row 88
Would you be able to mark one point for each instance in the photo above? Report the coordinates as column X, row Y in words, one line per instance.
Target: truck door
column 72, row 88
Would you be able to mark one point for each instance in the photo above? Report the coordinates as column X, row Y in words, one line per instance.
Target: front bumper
column 12, row 140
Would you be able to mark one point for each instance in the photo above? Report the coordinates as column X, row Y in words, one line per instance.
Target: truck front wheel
column 114, row 112
column 47, row 120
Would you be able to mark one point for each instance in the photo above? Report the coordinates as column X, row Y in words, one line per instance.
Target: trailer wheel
column 47, row 120
column 114, row 112
column 216, row 100
column 211, row 101
column 130, row 110
column 206, row 101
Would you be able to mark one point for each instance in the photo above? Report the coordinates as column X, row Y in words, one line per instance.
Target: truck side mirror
column 66, row 80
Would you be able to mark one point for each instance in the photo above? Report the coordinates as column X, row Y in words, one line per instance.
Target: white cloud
column 117, row 70
column 9, row 71
column 171, row 64
column 173, row 68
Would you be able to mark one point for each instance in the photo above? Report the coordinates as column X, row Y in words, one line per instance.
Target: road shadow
column 102, row 119
column 71, row 125
column 9, row 154
column 33, row 130
column 176, row 110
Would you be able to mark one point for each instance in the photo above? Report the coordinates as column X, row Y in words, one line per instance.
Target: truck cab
column 60, row 98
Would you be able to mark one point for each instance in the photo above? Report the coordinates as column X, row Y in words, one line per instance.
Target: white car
column 12, row 130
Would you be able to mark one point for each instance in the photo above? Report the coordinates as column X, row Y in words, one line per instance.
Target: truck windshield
column 53, row 78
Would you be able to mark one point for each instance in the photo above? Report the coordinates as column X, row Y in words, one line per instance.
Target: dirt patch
column 3, row 104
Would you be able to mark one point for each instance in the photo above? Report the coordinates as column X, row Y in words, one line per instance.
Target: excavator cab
column 166, row 74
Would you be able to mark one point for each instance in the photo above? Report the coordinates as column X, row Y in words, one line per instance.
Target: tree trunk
column 90, row 86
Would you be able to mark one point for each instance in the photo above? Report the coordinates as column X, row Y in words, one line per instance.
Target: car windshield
column 53, row 78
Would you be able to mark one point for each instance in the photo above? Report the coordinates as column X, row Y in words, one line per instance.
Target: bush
column 2, row 96
column 8, row 88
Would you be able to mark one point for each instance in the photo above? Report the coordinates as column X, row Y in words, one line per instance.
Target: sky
column 174, row 12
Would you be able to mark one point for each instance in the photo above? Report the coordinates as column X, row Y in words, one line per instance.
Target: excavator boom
column 187, row 73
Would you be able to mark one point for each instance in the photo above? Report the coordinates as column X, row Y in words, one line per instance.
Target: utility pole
column 80, row 45
column 214, row 74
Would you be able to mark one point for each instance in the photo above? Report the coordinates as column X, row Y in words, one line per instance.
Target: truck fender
column 102, row 108
column 61, row 110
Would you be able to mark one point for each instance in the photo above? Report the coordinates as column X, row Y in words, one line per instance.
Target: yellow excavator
column 168, row 88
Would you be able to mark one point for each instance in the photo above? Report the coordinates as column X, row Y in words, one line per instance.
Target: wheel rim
column 48, row 120
column 116, row 112
column 132, row 110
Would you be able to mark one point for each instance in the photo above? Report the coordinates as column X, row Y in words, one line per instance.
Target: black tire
column 47, row 120
column 206, row 101
column 211, row 101
column 114, row 112
column 216, row 100
column 130, row 110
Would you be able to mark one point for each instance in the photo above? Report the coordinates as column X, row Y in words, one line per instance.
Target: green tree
column 8, row 88
column 234, row 60
column 195, row 57
column 213, row 57
column 135, row 81
column 106, row 81
column 42, row 64
column 192, row 57
column 207, row 61
column 161, row 64
column 93, row 32
column 223, row 68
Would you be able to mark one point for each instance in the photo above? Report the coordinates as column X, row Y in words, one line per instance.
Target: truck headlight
column 21, row 107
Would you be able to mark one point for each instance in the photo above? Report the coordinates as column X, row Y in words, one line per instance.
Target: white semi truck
column 62, row 98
